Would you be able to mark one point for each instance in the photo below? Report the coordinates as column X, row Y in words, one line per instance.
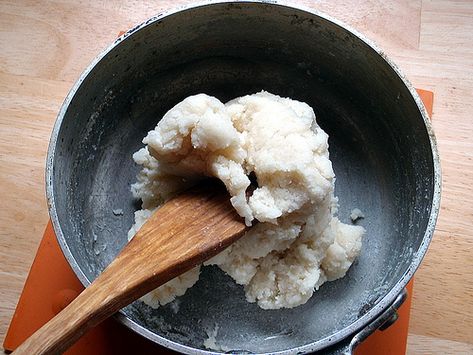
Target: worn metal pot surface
column 381, row 145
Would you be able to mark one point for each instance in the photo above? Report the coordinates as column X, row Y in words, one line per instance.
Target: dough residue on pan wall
column 299, row 243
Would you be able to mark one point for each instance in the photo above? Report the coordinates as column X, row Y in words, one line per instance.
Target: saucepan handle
column 384, row 320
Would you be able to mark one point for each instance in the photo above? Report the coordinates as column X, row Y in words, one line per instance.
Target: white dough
column 299, row 243
column 356, row 214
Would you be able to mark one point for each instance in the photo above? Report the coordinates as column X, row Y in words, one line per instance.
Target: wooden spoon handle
column 181, row 234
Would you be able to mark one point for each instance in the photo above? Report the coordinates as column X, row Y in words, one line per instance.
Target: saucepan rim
column 319, row 344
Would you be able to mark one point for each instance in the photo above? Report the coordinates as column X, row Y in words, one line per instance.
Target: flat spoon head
column 184, row 232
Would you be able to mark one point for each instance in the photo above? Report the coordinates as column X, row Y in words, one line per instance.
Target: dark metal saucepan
column 381, row 144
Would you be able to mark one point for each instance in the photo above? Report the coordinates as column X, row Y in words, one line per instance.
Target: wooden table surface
column 45, row 45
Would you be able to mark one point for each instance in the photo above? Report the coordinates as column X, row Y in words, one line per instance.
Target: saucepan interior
column 379, row 145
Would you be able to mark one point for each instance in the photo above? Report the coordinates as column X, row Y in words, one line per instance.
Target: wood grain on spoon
column 184, row 232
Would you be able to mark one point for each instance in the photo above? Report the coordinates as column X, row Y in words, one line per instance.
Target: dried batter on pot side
column 299, row 243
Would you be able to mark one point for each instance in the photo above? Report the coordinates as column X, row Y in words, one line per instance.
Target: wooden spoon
column 182, row 233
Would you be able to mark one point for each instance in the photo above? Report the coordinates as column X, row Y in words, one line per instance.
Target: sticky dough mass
column 299, row 243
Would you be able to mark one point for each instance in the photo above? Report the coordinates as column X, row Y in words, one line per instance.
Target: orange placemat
column 51, row 285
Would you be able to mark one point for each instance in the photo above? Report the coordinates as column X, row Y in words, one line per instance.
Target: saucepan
column 381, row 144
